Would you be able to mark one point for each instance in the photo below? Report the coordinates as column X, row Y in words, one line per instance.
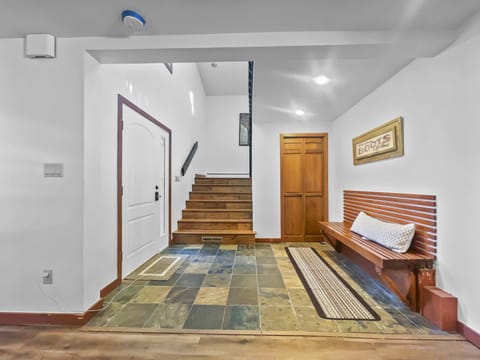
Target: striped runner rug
column 331, row 295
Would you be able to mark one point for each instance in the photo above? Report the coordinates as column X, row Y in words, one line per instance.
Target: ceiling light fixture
column 300, row 112
column 321, row 80
column 133, row 20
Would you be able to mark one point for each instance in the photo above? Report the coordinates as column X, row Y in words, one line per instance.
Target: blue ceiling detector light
column 133, row 19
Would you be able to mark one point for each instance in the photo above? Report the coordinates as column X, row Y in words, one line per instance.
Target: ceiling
column 68, row 18
column 358, row 44
column 224, row 78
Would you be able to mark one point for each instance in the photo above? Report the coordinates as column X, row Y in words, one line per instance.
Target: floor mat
column 159, row 267
column 332, row 296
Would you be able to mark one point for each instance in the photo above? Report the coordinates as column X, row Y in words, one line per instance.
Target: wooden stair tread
column 222, row 178
column 221, row 192
column 216, row 232
column 219, row 200
column 216, row 220
column 220, row 185
column 218, row 210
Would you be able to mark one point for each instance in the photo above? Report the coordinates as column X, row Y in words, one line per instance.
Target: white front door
column 144, row 230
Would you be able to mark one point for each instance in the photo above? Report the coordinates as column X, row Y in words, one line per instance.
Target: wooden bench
column 407, row 273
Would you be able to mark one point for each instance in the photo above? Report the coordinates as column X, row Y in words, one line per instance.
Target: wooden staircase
column 219, row 210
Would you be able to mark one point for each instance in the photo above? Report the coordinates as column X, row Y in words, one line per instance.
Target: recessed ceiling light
column 321, row 80
column 300, row 112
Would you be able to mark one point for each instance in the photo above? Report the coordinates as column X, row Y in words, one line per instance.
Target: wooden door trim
column 120, row 103
column 323, row 135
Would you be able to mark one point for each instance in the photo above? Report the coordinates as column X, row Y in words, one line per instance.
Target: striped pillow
column 395, row 237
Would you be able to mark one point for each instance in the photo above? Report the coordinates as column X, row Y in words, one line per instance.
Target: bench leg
column 403, row 283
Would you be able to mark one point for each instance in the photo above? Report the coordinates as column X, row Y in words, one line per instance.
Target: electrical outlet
column 47, row 277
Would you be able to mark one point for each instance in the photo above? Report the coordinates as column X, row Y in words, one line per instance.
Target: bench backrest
column 398, row 208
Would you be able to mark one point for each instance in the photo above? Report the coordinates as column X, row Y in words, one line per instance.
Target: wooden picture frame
column 244, row 129
column 383, row 142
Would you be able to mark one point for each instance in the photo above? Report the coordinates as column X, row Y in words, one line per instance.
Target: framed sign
column 383, row 142
column 244, row 129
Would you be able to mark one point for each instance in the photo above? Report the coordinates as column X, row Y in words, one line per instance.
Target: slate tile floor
column 249, row 287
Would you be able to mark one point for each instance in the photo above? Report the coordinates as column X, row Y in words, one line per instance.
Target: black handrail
column 189, row 158
column 250, row 99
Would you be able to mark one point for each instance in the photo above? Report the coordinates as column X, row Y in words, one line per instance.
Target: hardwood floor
column 64, row 343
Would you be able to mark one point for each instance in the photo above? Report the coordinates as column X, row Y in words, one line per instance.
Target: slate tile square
column 224, row 260
column 242, row 296
column 190, row 251
column 244, row 269
column 220, row 269
column 268, row 269
column 104, row 316
column 281, row 318
column 123, row 294
column 190, row 280
column 212, row 296
column 266, row 260
column 226, row 252
column 168, row 316
column 270, row 281
column 170, row 282
column 197, row 268
column 217, row 280
column 133, row 315
column 243, row 281
column 241, row 317
column 262, row 246
column 182, row 295
column 205, row 317
column 246, row 250
column 299, row 297
column 274, row 297
column 202, row 259
column 151, row 295
column 247, row 260
column 264, row 252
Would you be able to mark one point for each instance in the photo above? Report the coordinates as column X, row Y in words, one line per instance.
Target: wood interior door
column 304, row 185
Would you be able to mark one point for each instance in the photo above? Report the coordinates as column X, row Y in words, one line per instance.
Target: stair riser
column 210, row 181
column 223, row 188
column 214, row 226
column 218, row 205
column 226, row 239
column 216, row 214
column 216, row 196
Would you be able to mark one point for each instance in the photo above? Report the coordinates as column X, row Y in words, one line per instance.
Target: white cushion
column 395, row 237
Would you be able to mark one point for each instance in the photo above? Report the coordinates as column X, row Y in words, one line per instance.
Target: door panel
column 313, row 177
column 292, row 173
column 293, row 214
column 314, row 212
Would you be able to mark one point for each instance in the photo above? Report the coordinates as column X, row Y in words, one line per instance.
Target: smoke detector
column 133, row 20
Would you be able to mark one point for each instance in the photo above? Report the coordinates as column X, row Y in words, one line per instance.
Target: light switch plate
column 53, row 170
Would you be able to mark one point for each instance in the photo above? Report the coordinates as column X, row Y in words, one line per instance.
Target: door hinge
column 121, row 125
column 122, row 190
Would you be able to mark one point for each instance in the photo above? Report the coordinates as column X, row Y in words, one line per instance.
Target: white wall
column 222, row 149
column 439, row 100
column 164, row 96
column 40, row 218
